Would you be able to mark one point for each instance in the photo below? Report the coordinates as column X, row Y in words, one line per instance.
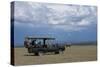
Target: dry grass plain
column 72, row 54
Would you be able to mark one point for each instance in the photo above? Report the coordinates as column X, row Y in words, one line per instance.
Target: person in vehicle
column 33, row 43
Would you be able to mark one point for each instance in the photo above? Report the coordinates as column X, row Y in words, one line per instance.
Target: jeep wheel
column 57, row 52
column 36, row 54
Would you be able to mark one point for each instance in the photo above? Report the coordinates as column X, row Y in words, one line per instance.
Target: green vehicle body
column 38, row 49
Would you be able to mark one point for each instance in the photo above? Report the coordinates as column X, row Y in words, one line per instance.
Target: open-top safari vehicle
column 38, row 45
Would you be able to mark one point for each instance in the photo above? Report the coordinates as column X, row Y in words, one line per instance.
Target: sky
column 66, row 22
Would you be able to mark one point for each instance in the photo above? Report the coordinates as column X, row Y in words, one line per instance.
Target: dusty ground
column 73, row 54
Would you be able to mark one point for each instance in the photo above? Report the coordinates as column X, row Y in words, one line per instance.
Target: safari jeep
column 41, row 47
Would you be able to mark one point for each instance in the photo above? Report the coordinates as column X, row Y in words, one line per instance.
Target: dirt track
column 73, row 54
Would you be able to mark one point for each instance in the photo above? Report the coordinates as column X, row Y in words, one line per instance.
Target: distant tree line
column 85, row 43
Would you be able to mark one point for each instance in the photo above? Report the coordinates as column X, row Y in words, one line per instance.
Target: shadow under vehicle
column 41, row 47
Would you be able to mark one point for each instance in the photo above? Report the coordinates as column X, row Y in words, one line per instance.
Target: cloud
column 57, row 16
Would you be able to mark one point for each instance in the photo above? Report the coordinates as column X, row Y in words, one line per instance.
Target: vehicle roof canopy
column 45, row 37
